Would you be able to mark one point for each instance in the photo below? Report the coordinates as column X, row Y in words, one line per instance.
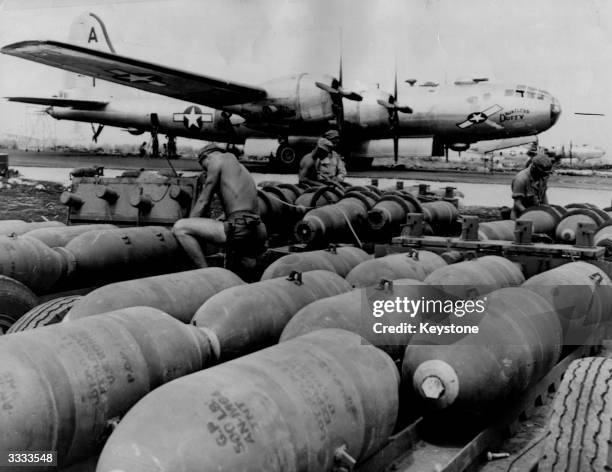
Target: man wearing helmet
column 331, row 167
column 242, row 233
column 530, row 184
column 309, row 173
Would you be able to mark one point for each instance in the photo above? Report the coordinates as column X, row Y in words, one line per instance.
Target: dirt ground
column 31, row 201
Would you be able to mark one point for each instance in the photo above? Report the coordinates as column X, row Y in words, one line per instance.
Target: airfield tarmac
column 487, row 189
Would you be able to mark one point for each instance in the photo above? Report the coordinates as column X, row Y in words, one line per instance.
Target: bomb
column 477, row 277
column 60, row 236
column 518, row 340
column 335, row 259
column 32, row 263
column 297, row 406
column 354, row 311
column 409, row 265
column 336, row 221
column 63, row 386
column 179, row 294
column 119, row 254
column 249, row 317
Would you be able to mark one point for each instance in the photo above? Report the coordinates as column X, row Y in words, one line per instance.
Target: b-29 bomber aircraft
column 292, row 109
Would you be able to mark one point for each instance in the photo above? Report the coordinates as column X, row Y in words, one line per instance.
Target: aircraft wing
column 142, row 75
column 61, row 102
column 499, row 144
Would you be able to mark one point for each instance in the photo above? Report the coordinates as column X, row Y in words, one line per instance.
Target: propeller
column 394, row 109
column 335, row 89
column 337, row 93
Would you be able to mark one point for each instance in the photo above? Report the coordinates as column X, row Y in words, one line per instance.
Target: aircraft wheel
column 287, row 158
column 579, row 436
column 48, row 313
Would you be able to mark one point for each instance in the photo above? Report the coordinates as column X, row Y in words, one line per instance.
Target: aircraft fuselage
column 174, row 117
column 455, row 113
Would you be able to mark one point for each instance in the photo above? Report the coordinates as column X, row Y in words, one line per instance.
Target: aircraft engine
column 295, row 98
column 459, row 146
column 135, row 131
column 313, row 103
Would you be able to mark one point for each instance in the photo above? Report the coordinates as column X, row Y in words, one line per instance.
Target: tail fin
column 90, row 31
column 87, row 30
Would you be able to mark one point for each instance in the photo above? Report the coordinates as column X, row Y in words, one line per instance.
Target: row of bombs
column 220, row 394
column 49, row 257
column 555, row 223
column 322, row 215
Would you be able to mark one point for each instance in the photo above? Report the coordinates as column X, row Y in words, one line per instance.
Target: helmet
column 332, row 134
column 542, row 163
column 325, row 144
column 209, row 149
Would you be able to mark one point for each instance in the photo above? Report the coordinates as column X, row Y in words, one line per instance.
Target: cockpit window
column 527, row 92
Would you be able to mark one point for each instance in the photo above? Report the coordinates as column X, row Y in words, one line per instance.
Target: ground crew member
column 242, row 233
column 309, row 173
column 142, row 150
column 331, row 167
column 171, row 147
column 530, row 184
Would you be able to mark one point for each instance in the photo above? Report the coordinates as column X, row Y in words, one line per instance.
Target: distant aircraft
column 580, row 153
column 486, row 147
column 293, row 109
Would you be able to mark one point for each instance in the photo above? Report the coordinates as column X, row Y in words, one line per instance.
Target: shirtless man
column 242, row 232
column 309, row 173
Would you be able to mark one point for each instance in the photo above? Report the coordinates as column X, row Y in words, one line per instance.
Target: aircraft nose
column 555, row 111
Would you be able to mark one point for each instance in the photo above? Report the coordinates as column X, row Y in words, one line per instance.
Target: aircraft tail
column 87, row 30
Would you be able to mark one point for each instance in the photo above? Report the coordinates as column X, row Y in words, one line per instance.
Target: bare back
column 231, row 181
column 237, row 189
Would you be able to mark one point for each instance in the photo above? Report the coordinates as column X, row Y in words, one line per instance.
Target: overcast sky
column 563, row 46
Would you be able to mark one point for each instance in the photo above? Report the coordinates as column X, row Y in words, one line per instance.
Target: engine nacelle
column 459, row 146
column 291, row 99
column 135, row 131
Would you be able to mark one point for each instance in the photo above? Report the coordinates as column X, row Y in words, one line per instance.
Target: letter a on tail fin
column 90, row 31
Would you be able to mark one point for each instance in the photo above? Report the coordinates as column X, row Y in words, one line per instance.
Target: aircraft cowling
column 314, row 104
column 290, row 99
column 135, row 131
column 459, row 147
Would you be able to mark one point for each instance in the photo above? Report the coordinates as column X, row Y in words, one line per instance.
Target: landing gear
column 171, row 147
column 154, row 144
column 154, row 137
column 96, row 132
column 287, row 158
